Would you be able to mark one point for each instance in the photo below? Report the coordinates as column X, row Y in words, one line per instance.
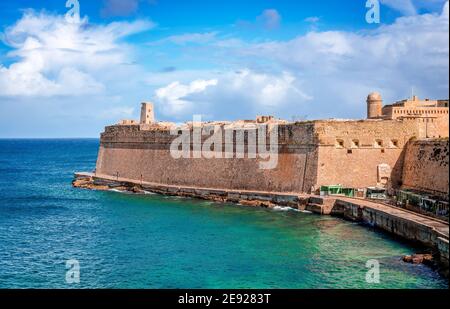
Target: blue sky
column 221, row 59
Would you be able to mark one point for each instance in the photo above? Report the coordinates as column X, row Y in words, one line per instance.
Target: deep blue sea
column 150, row 241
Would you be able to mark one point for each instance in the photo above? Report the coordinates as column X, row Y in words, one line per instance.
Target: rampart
column 357, row 154
column 136, row 153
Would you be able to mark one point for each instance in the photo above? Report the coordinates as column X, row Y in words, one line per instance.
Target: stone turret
column 147, row 113
column 374, row 106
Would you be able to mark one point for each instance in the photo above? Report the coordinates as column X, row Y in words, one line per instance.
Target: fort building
column 402, row 148
column 353, row 153
column 434, row 113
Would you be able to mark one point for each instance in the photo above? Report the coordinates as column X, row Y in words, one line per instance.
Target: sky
column 223, row 60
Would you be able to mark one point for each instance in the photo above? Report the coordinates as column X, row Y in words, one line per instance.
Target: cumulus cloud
column 329, row 73
column 412, row 7
column 174, row 99
column 412, row 51
column 319, row 74
column 60, row 58
column 231, row 94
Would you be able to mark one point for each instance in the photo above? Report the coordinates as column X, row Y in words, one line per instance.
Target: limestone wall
column 356, row 153
column 133, row 154
column 426, row 166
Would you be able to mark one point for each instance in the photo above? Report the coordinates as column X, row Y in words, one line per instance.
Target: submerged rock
column 426, row 259
column 88, row 183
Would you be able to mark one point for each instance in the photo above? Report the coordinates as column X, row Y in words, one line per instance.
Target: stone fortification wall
column 426, row 166
column 359, row 154
column 355, row 154
column 136, row 153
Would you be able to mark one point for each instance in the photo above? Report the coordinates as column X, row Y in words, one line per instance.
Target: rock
column 97, row 188
column 257, row 203
column 218, row 199
column 136, row 189
column 88, row 183
column 407, row 259
column 80, row 183
column 419, row 259
column 428, row 259
column 250, row 203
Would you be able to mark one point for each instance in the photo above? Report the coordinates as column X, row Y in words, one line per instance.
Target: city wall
column 360, row 154
column 145, row 155
column 311, row 154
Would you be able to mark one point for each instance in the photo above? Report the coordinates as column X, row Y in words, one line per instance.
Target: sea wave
column 282, row 208
column 286, row 208
column 115, row 190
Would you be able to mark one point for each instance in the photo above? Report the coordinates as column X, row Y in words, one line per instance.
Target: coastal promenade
column 439, row 225
column 427, row 231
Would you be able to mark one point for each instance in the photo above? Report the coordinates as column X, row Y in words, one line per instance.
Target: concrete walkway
column 441, row 226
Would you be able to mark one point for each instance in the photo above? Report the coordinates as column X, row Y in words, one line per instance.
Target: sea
column 55, row 236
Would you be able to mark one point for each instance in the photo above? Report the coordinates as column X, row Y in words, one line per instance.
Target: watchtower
column 147, row 113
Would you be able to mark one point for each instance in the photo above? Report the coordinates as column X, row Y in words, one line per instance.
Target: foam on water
column 282, row 208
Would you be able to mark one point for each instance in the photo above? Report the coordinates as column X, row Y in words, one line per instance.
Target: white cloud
column 233, row 92
column 327, row 74
column 173, row 96
column 406, row 7
column 411, row 7
column 60, row 58
column 319, row 74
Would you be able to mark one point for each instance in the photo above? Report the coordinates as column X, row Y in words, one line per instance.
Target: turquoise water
column 131, row 241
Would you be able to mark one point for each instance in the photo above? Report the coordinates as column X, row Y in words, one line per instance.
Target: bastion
column 310, row 154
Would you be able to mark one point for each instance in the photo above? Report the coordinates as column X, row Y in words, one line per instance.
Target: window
column 340, row 143
column 349, row 151
column 378, row 143
column 394, row 143
column 355, row 143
